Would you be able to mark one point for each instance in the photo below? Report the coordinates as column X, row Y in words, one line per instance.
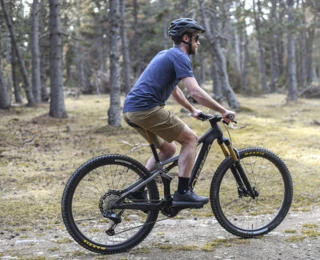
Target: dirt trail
column 169, row 237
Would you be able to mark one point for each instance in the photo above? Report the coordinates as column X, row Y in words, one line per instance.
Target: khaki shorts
column 161, row 124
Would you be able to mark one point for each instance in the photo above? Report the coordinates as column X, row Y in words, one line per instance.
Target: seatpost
column 153, row 147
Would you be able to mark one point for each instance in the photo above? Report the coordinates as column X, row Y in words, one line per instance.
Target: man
column 144, row 105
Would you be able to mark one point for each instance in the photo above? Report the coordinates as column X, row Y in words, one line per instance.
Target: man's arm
column 203, row 98
column 178, row 95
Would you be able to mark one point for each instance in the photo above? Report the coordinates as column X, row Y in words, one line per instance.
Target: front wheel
column 87, row 204
column 239, row 213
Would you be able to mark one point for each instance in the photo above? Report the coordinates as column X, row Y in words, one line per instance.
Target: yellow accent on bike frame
column 224, row 150
column 148, row 136
column 232, row 153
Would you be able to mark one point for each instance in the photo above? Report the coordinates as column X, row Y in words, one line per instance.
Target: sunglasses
column 196, row 37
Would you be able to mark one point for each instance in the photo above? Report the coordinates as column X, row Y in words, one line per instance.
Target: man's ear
column 185, row 38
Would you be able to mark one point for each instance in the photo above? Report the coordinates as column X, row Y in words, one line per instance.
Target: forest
column 50, row 49
column 65, row 68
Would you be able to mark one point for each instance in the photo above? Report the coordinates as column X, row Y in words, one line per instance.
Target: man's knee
column 187, row 136
column 169, row 149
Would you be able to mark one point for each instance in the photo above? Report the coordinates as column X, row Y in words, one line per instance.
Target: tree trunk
column 23, row 69
column 80, row 74
column 243, row 53
column 8, row 61
column 125, row 49
column 57, row 107
column 136, row 42
column 280, row 42
column 262, row 69
column 217, row 85
column 221, row 61
column 291, row 63
column 114, row 112
column 275, row 73
column 309, row 56
column 4, row 97
column 43, row 43
column 36, row 80
column 16, row 87
column 244, row 67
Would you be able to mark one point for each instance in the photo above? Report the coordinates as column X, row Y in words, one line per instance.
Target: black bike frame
column 206, row 140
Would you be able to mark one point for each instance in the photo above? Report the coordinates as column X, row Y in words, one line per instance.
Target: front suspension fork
column 244, row 186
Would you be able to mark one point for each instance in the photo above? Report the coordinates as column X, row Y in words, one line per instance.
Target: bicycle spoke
column 93, row 190
column 240, row 213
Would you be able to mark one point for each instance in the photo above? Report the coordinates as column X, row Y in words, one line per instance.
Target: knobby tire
column 91, row 189
column 242, row 215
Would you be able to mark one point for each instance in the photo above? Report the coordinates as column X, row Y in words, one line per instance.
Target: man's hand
column 227, row 114
column 195, row 112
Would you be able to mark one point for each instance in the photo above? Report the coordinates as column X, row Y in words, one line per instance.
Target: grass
column 215, row 243
column 38, row 153
column 308, row 231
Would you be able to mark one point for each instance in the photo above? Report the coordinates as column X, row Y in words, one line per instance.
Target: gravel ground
column 167, row 239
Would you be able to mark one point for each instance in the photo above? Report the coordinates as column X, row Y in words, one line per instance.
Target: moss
column 211, row 245
column 64, row 241
column 53, row 249
column 290, row 231
column 311, row 233
column 187, row 248
column 297, row 238
column 78, row 253
column 310, row 226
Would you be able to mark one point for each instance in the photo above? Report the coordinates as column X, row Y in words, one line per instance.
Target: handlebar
column 214, row 118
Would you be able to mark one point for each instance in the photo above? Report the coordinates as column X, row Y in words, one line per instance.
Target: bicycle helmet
column 180, row 26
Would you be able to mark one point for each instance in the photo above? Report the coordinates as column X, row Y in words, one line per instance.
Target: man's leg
column 167, row 150
column 184, row 196
column 189, row 141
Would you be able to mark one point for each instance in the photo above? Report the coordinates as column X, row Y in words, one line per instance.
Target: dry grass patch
column 38, row 153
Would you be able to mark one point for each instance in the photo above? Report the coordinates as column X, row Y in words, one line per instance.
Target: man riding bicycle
column 144, row 106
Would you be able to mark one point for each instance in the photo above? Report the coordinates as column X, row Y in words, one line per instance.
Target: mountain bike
column 250, row 194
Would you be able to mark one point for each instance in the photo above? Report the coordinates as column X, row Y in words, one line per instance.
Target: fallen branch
column 135, row 146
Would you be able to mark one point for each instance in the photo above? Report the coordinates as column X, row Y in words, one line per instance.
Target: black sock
column 183, row 185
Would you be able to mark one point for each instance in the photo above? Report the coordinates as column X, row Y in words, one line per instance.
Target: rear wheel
column 89, row 195
column 270, row 179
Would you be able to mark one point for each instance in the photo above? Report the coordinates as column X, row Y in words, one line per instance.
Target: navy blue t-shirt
column 158, row 80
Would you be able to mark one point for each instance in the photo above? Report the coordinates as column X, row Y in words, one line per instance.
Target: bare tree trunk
column 137, row 64
column 4, row 97
column 244, row 67
column 216, row 48
column 291, row 63
column 36, row 80
column 243, row 55
column 80, row 75
column 8, row 61
column 125, row 49
column 57, row 107
column 16, row 87
column 275, row 73
column 262, row 65
column 309, row 56
column 24, row 73
column 280, row 43
column 217, row 85
column 164, row 17
column 114, row 112
column 42, row 47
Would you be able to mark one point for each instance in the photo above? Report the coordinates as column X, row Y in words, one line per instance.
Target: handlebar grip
column 231, row 117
